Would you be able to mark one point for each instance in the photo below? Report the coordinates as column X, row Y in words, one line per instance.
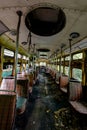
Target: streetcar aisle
column 47, row 109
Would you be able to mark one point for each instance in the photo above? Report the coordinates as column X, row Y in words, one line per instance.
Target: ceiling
column 76, row 21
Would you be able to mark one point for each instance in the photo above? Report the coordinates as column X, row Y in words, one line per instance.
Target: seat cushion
column 21, row 105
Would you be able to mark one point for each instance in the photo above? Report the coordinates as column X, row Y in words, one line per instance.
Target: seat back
column 22, row 87
column 63, row 81
column 7, row 84
column 7, row 110
column 75, row 90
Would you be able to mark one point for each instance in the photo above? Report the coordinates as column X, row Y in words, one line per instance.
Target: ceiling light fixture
column 74, row 35
column 24, row 43
column 13, row 32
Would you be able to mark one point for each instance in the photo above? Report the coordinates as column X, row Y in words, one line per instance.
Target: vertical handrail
column 28, row 48
column 60, row 61
column 69, row 73
column 29, row 44
column 72, row 35
column 19, row 13
column 61, row 57
column 34, row 57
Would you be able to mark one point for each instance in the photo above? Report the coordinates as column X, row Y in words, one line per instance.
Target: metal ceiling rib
column 3, row 28
column 76, row 20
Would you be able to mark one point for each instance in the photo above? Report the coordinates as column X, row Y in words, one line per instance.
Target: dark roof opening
column 43, row 50
column 43, row 55
column 45, row 21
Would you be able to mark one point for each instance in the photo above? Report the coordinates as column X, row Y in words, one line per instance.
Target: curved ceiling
column 76, row 21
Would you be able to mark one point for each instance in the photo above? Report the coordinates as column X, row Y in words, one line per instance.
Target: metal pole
column 63, row 45
column 19, row 13
column 60, row 61
column 70, row 59
column 29, row 41
column 34, row 57
column 28, row 48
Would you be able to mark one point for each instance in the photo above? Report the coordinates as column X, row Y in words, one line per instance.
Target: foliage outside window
column 77, row 74
column 77, row 56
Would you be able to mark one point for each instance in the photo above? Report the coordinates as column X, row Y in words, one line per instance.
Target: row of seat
column 73, row 89
column 12, row 102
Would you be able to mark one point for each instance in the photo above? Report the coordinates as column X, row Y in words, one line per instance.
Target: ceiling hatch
column 45, row 21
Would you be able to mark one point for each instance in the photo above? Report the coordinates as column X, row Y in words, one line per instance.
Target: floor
column 48, row 109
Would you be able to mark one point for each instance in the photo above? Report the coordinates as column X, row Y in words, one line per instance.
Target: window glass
column 67, row 58
column 77, row 74
column 58, row 68
column 27, row 58
column 77, row 56
column 42, row 63
column 24, row 57
column 6, row 73
column 8, row 53
column 19, row 56
column 62, row 59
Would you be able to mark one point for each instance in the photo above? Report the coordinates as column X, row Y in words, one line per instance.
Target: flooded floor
column 48, row 109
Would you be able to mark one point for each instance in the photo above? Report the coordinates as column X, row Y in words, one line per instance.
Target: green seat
column 21, row 105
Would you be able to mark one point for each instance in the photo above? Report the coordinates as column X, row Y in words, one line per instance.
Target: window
column 8, row 53
column 77, row 74
column 58, row 60
column 62, row 59
column 58, row 68
column 19, row 56
column 77, row 56
column 42, row 63
column 67, row 58
column 24, row 57
column 27, row 58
